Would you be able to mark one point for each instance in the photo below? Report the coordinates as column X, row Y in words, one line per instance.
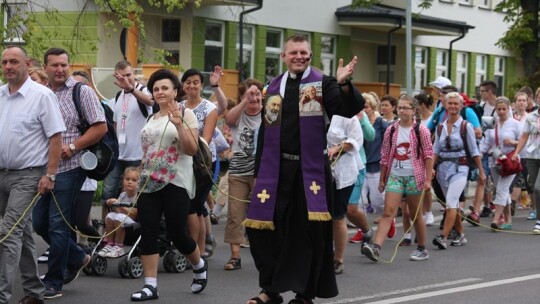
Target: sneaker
column 392, row 230
column 506, row 226
column 245, row 244
column 214, row 219
column 72, row 275
column 405, row 242
column 371, row 252
column 419, row 255
column 536, row 229
column 51, row 293
column 430, row 219
column 116, row 252
column 440, row 241
column 338, row 267
column 532, row 216
column 485, row 212
column 369, row 209
column 460, row 240
column 492, row 206
column 210, row 243
column 105, row 250
column 357, row 238
column 44, row 258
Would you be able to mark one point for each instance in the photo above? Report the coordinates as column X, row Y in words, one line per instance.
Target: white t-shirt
column 129, row 123
column 402, row 163
column 165, row 163
column 202, row 110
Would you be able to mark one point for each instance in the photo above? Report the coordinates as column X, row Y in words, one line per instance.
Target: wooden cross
column 314, row 187
column 263, row 196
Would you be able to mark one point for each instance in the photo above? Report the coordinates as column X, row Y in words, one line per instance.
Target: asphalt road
column 491, row 268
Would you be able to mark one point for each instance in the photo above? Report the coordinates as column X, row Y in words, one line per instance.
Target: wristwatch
column 52, row 177
column 72, row 148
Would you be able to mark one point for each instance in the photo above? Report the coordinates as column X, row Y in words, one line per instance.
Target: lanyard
column 125, row 106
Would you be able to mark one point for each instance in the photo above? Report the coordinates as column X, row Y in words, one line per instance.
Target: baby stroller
column 130, row 264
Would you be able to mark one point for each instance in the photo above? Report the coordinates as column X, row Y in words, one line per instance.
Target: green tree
column 522, row 36
column 30, row 23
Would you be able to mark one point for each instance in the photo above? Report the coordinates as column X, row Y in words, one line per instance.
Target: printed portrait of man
column 272, row 109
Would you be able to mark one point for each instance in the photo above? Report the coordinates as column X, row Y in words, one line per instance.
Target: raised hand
column 122, row 82
column 175, row 113
column 345, row 72
column 215, row 76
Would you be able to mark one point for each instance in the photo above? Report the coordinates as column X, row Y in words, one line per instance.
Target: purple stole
column 260, row 214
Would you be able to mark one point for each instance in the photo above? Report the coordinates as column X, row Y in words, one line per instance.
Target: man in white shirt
column 133, row 104
column 30, row 127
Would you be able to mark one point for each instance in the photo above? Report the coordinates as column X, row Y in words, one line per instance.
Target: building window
column 382, row 60
column 461, row 77
column 499, row 75
column 213, row 46
column 170, row 30
column 484, row 4
column 466, row 2
column 328, row 54
column 274, row 44
column 481, row 70
column 441, row 68
column 420, row 68
column 14, row 14
column 247, row 55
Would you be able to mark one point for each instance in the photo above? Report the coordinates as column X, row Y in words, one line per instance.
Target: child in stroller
column 121, row 215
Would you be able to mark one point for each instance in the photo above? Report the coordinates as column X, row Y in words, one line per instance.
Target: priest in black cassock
column 288, row 222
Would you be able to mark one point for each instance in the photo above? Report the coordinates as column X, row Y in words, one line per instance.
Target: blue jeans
column 113, row 182
column 49, row 224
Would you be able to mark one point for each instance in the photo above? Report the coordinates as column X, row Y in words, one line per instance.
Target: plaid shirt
column 91, row 109
column 419, row 164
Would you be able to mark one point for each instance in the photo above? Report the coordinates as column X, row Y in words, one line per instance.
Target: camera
column 488, row 122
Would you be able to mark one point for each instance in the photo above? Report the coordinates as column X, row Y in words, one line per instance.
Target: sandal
column 233, row 264
column 201, row 282
column 273, row 298
column 146, row 293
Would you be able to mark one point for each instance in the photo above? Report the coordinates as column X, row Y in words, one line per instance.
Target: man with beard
column 288, row 222
column 273, row 106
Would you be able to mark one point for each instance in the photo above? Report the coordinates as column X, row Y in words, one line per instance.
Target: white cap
column 440, row 82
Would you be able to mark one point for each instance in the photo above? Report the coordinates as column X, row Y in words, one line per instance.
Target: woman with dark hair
column 207, row 115
column 388, row 108
column 425, row 102
column 167, row 183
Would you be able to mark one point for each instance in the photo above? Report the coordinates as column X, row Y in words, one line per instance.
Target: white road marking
column 441, row 292
column 404, row 291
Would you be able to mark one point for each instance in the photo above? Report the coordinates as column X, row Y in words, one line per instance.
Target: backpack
column 463, row 134
column 478, row 110
column 416, row 129
column 142, row 107
column 106, row 149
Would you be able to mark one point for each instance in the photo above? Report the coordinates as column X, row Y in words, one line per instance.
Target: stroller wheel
column 174, row 262
column 88, row 269
column 135, row 268
column 99, row 265
column 123, row 267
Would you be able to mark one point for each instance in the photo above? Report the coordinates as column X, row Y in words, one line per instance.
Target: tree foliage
column 31, row 23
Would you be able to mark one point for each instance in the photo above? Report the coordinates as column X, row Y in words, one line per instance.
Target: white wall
column 304, row 15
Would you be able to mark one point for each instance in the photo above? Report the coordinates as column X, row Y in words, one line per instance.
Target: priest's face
column 296, row 55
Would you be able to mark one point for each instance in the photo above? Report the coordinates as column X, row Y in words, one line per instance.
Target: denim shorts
column 402, row 184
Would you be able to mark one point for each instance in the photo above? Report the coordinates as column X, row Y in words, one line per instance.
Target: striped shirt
column 91, row 109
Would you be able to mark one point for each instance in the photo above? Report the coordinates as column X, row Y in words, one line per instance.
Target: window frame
column 215, row 44
column 329, row 56
column 481, row 72
column 273, row 51
column 441, row 70
column 499, row 74
column 5, row 6
column 420, row 67
column 249, row 48
column 462, row 70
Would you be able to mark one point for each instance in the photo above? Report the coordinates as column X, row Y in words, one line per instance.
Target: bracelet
column 215, row 86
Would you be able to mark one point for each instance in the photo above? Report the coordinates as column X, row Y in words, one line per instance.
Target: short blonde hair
column 40, row 72
column 454, row 95
column 371, row 101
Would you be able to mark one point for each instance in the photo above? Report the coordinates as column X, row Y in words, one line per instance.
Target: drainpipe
column 389, row 54
column 241, row 38
column 450, row 53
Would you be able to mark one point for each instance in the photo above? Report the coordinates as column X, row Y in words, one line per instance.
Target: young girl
column 120, row 215
column 506, row 138
column 406, row 168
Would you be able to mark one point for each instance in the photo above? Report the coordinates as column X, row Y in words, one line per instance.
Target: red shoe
column 392, row 230
column 473, row 219
column 357, row 238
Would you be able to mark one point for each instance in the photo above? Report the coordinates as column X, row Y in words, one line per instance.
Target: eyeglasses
column 405, row 108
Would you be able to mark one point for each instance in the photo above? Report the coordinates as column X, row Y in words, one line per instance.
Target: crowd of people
column 307, row 154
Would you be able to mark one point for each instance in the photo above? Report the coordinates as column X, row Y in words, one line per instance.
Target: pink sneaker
column 392, row 230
